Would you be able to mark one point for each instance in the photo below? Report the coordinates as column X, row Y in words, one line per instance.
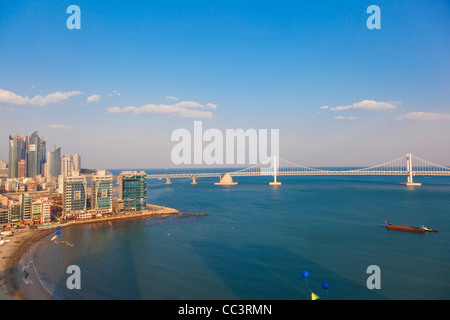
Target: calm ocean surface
column 256, row 240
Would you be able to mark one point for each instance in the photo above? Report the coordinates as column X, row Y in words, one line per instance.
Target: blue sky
column 238, row 64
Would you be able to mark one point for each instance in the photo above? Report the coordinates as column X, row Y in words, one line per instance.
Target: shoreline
column 18, row 279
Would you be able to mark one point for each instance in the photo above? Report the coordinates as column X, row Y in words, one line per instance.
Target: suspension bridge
column 407, row 165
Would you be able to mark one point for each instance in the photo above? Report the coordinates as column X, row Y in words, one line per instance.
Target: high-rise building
column 42, row 155
column 14, row 212
column 133, row 190
column 102, row 192
column 15, row 150
column 25, row 207
column 54, row 163
column 34, row 156
column 76, row 162
column 70, row 164
column 74, row 195
column 22, row 169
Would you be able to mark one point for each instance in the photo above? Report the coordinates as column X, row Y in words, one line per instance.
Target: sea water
column 257, row 239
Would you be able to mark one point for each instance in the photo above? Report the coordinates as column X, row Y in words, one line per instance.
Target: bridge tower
column 275, row 182
column 409, row 171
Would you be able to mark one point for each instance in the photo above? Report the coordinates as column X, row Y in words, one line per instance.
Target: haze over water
column 257, row 239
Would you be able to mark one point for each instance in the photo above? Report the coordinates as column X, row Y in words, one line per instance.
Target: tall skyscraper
column 42, row 155
column 34, row 156
column 15, row 152
column 133, row 190
column 54, row 163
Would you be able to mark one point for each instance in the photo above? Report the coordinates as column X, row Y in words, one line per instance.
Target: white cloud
column 345, row 118
column 324, row 107
column 172, row 98
column 93, row 98
column 424, row 116
column 183, row 109
column 58, row 126
column 188, row 104
column 367, row 105
column 9, row 97
column 114, row 92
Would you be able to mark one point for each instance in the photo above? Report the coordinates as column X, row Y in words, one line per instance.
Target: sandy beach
column 18, row 278
column 13, row 270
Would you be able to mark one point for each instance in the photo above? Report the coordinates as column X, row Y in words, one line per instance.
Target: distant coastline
column 16, row 266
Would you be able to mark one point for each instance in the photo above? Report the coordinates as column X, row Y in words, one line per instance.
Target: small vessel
column 428, row 229
column 421, row 229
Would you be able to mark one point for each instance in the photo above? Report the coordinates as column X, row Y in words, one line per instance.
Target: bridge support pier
column 275, row 182
column 168, row 181
column 194, row 182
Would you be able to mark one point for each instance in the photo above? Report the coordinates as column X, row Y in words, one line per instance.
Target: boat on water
column 421, row 229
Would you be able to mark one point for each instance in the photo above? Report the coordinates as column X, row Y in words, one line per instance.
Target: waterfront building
column 74, row 195
column 102, row 192
column 41, row 211
column 4, row 216
column 14, row 214
column 133, row 190
column 46, row 216
column 34, row 155
column 118, row 206
column 25, row 207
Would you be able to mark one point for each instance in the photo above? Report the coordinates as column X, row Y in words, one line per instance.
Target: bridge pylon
column 275, row 182
column 409, row 170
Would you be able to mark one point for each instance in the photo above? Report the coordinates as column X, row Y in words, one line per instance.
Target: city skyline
column 339, row 93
